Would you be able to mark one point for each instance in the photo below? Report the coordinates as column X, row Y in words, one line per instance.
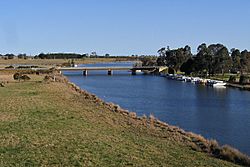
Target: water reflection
column 212, row 112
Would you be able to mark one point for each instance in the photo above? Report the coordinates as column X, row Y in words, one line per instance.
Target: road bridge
column 110, row 69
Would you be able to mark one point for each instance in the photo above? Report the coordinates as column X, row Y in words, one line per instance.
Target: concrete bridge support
column 85, row 72
column 110, row 72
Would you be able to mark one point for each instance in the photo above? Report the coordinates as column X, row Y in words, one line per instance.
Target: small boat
column 210, row 82
column 188, row 79
column 169, row 76
column 219, row 84
column 180, row 78
column 196, row 80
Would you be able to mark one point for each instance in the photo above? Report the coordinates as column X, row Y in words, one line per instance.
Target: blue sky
column 121, row 27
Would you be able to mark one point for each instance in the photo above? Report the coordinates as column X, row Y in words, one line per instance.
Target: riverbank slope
column 57, row 124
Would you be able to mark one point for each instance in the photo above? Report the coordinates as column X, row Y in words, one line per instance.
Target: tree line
column 48, row 56
column 62, row 56
column 209, row 60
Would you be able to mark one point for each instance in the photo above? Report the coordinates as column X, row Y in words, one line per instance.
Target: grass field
column 53, row 62
column 49, row 124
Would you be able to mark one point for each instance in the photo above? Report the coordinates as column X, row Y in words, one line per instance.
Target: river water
column 221, row 114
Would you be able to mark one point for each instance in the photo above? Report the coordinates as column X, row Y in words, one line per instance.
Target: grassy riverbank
column 53, row 124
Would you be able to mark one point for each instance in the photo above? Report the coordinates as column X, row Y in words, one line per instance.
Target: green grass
column 224, row 77
column 51, row 125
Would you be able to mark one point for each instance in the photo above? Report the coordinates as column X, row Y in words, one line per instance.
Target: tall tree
column 222, row 61
column 245, row 61
column 236, row 60
column 202, row 59
column 174, row 58
column 212, row 59
column 188, row 67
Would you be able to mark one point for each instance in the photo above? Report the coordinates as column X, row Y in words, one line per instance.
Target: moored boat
column 219, row 84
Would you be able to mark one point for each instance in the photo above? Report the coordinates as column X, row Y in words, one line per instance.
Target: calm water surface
column 221, row 114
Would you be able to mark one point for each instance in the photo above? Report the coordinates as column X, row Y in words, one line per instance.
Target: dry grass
column 7, row 117
column 58, row 124
column 223, row 152
column 233, row 155
column 6, row 78
column 54, row 62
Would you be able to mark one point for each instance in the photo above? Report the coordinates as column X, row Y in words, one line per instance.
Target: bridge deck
column 105, row 68
column 112, row 68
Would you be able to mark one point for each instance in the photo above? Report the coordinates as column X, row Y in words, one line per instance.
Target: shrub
column 9, row 67
column 222, row 152
column 232, row 79
column 48, row 78
column 152, row 120
column 244, row 79
column 16, row 76
column 132, row 115
column 214, row 148
column 25, row 77
column 230, row 154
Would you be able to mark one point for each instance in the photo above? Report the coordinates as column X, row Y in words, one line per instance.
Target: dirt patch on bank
column 6, row 78
column 7, row 117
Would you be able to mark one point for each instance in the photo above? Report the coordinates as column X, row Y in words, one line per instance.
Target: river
column 221, row 114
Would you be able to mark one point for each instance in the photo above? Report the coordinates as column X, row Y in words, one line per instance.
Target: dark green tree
column 245, row 61
column 148, row 60
column 188, row 67
column 212, row 59
column 174, row 58
column 203, row 60
column 236, row 60
column 222, row 60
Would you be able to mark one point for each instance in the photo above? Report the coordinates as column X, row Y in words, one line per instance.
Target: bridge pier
column 110, row 72
column 133, row 72
column 85, row 72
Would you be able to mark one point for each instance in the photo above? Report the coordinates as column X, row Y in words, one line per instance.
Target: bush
column 25, row 77
column 244, row 79
column 230, row 154
column 9, row 67
column 16, row 76
column 232, row 79
column 212, row 147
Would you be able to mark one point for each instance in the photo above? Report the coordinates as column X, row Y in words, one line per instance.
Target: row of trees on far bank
column 209, row 60
column 62, row 56
column 12, row 56
column 53, row 56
